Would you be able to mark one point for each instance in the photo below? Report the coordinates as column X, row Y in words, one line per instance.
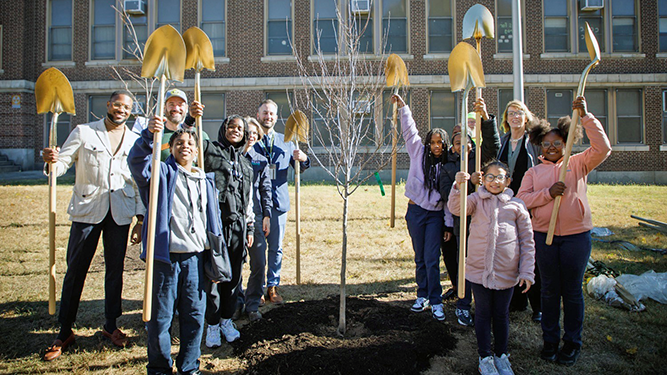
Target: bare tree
column 343, row 93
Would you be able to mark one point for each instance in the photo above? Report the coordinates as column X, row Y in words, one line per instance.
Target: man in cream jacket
column 104, row 201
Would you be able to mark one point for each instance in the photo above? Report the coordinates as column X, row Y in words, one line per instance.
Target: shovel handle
column 394, row 143
column 198, row 122
column 297, row 212
column 460, row 288
column 52, row 240
column 563, row 173
column 478, row 137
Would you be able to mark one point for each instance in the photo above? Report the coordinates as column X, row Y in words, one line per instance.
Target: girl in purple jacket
column 501, row 254
column 424, row 216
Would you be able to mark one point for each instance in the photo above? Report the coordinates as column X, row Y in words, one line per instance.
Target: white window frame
column 454, row 33
column 224, row 57
column 313, row 31
column 283, row 57
column 47, row 58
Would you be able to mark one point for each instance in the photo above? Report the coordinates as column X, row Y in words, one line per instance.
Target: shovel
column 199, row 57
column 465, row 72
column 53, row 93
column 164, row 58
column 397, row 75
column 296, row 128
column 478, row 24
column 594, row 53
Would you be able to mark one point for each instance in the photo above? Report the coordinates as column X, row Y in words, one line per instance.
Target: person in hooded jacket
column 489, row 149
column 233, row 178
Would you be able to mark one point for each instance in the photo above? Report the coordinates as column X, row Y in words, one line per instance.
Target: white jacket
column 102, row 179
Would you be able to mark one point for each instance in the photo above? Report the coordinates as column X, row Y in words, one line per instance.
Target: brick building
column 86, row 40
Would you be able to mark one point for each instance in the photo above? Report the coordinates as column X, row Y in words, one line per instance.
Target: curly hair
column 530, row 117
column 430, row 163
column 540, row 129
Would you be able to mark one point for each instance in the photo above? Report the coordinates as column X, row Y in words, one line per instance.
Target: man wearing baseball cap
column 175, row 113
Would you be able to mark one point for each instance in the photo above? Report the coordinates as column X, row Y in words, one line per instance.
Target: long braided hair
column 430, row 163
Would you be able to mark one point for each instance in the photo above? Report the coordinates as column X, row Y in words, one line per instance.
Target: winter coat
column 531, row 159
column 262, row 187
column 574, row 215
column 501, row 249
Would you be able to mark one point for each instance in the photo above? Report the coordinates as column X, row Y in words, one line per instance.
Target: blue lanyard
column 269, row 151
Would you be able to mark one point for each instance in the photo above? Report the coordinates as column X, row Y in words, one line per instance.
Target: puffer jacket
column 501, row 249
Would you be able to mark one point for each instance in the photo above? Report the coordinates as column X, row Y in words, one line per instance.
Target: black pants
column 534, row 295
column 81, row 248
column 221, row 298
column 491, row 313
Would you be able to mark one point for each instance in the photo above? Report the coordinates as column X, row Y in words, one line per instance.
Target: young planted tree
column 343, row 93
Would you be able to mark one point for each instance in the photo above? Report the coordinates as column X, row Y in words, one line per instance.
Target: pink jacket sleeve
column 600, row 147
column 454, row 202
column 526, row 244
column 527, row 193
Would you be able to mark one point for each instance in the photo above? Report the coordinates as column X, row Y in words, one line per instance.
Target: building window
column 596, row 101
column 664, row 116
column 213, row 23
column 440, row 26
column 596, row 20
column 556, row 26
column 662, row 29
column 214, row 113
column 395, row 25
column 103, row 33
column 284, row 111
column 325, row 26
column 60, row 30
column 97, row 108
column 629, row 128
column 443, row 110
column 624, row 26
column 321, row 134
column 169, row 13
column 505, row 96
column 279, row 27
column 559, row 104
column 133, row 43
column 64, row 121
column 504, row 25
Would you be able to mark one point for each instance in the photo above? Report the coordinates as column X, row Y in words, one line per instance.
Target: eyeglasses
column 557, row 144
column 490, row 178
column 515, row 113
column 119, row 105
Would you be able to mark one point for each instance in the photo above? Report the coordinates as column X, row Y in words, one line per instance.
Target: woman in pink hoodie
column 563, row 263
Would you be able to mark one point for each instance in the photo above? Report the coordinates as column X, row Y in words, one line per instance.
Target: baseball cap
column 472, row 115
column 177, row 93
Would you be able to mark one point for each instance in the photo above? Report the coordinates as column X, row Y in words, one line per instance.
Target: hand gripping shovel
column 164, row 58
column 199, row 57
column 465, row 72
column 478, row 24
column 397, row 75
column 53, row 93
column 594, row 53
column 296, row 128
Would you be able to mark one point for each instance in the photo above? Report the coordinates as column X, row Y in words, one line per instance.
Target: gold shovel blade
column 478, row 23
column 395, row 71
column 164, row 54
column 53, row 93
column 592, row 44
column 199, row 50
column 297, row 127
column 465, row 68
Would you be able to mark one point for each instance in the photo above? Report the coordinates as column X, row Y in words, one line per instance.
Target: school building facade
column 252, row 39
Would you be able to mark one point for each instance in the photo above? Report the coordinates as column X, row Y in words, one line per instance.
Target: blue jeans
column 275, row 244
column 492, row 307
column 83, row 239
column 426, row 229
column 178, row 285
column 562, row 267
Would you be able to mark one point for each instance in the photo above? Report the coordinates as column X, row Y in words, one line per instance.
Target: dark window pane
column 280, row 9
column 364, row 26
column 663, row 34
column 393, row 8
column 595, row 21
column 440, row 35
column 629, row 121
column 169, row 12
column 61, row 12
column 439, row 8
column 325, row 35
column 555, row 7
column 556, row 35
column 212, row 10
column 559, row 104
column 214, row 114
column 104, row 13
column 624, row 34
column 130, row 48
column 397, row 40
column 596, row 101
column 62, row 128
column 622, row 7
column 504, row 34
column 216, row 33
column 104, row 42
column 279, row 43
column 443, row 110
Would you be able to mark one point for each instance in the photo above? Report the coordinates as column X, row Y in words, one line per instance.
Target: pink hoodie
column 574, row 215
column 501, row 249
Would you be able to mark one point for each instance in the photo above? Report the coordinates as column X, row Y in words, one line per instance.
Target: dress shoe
column 549, row 351
column 273, row 296
column 117, row 338
column 56, row 349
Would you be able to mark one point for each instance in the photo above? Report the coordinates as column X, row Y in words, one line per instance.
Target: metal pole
column 517, row 50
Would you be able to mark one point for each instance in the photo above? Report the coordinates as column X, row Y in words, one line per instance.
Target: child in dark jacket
column 187, row 222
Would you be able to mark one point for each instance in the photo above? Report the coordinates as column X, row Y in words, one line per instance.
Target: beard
column 176, row 118
column 111, row 118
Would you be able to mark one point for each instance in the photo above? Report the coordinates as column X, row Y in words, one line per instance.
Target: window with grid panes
column 504, row 25
column 559, row 104
column 624, row 26
column 64, row 121
column 279, row 27
column 133, row 48
column 325, row 26
column 395, row 25
column 168, row 13
column 60, row 30
column 629, row 127
column 214, row 113
column 596, row 20
column 443, row 110
column 440, row 26
column 662, row 28
column 556, row 26
column 213, row 24
column 103, row 33
column 596, row 103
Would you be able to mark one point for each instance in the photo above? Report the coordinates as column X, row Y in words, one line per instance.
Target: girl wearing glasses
column 501, row 254
column 564, row 261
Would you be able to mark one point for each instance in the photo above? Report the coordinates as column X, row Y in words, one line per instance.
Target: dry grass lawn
column 380, row 263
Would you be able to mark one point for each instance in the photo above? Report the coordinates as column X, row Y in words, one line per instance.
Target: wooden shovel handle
column 297, row 212
column 563, row 173
column 52, row 239
column 463, row 232
column 198, row 123
column 478, row 137
column 394, row 143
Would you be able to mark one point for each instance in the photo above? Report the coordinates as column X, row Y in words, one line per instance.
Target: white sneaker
column 438, row 312
column 228, row 329
column 503, row 364
column 213, row 339
column 486, row 366
column 420, row 304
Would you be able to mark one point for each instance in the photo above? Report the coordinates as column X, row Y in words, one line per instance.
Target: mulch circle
column 381, row 338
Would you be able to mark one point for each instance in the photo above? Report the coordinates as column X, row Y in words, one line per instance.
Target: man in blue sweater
column 281, row 155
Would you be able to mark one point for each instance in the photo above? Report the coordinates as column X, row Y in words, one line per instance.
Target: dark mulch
column 381, row 338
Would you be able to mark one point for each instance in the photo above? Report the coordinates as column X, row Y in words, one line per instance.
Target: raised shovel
column 397, row 75
column 53, row 93
column 465, row 72
column 594, row 53
column 478, row 24
column 199, row 57
column 296, row 129
column 164, row 58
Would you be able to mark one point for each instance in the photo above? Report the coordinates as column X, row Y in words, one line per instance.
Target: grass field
column 380, row 263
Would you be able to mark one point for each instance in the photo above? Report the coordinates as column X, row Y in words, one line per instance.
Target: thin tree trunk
column 341, row 321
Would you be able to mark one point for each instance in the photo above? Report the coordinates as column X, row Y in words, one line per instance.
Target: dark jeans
column 177, row 286
column 426, row 229
column 222, row 298
column 534, row 295
column 562, row 265
column 450, row 254
column 492, row 308
column 83, row 239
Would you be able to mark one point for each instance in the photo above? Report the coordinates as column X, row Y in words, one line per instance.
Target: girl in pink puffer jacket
column 501, row 253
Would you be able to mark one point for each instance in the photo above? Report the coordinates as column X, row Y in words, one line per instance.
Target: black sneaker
column 549, row 351
column 537, row 316
column 569, row 353
column 450, row 293
column 464, row 317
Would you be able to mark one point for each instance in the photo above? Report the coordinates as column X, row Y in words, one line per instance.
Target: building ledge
column 623, row 56
column 221, row 60
column 98, row 63
column 272, row 59
column 661, row 55
column 17, row 85
column 630, row 148
column 663, row 147
column 59, row 64
column 509, row 56
column 436, row 56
